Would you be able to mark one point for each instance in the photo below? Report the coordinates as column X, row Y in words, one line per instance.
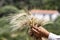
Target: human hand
column 40, row 31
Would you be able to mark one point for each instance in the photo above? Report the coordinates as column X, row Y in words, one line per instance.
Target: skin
column 39, row 32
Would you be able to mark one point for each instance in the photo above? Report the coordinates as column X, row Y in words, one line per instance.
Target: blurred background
column 8, row 8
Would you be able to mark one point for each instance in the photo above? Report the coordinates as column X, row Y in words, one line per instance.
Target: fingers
column 36, row 28
column 35, row 33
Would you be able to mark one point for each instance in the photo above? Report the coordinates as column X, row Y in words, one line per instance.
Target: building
column 46, row 14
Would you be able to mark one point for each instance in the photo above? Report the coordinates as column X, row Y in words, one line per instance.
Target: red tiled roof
column 44, row 11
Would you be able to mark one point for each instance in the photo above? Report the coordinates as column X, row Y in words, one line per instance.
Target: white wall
column 46, row 17
column 54, row 16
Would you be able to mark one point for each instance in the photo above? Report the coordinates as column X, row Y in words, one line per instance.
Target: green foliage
column 37, row 4
column 4, row 24
column 6, row 10
column 54, row 27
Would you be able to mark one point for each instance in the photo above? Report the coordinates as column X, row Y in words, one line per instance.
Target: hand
column 36, row 33
column 40, row 31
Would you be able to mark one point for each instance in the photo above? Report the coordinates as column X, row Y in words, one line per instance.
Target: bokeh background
column 8, row 8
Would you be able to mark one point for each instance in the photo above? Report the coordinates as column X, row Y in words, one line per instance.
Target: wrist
column 46, row 34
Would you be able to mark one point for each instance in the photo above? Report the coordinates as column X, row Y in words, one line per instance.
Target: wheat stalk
column 20, row 20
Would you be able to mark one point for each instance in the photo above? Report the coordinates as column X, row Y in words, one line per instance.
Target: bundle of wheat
column 23, row 19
